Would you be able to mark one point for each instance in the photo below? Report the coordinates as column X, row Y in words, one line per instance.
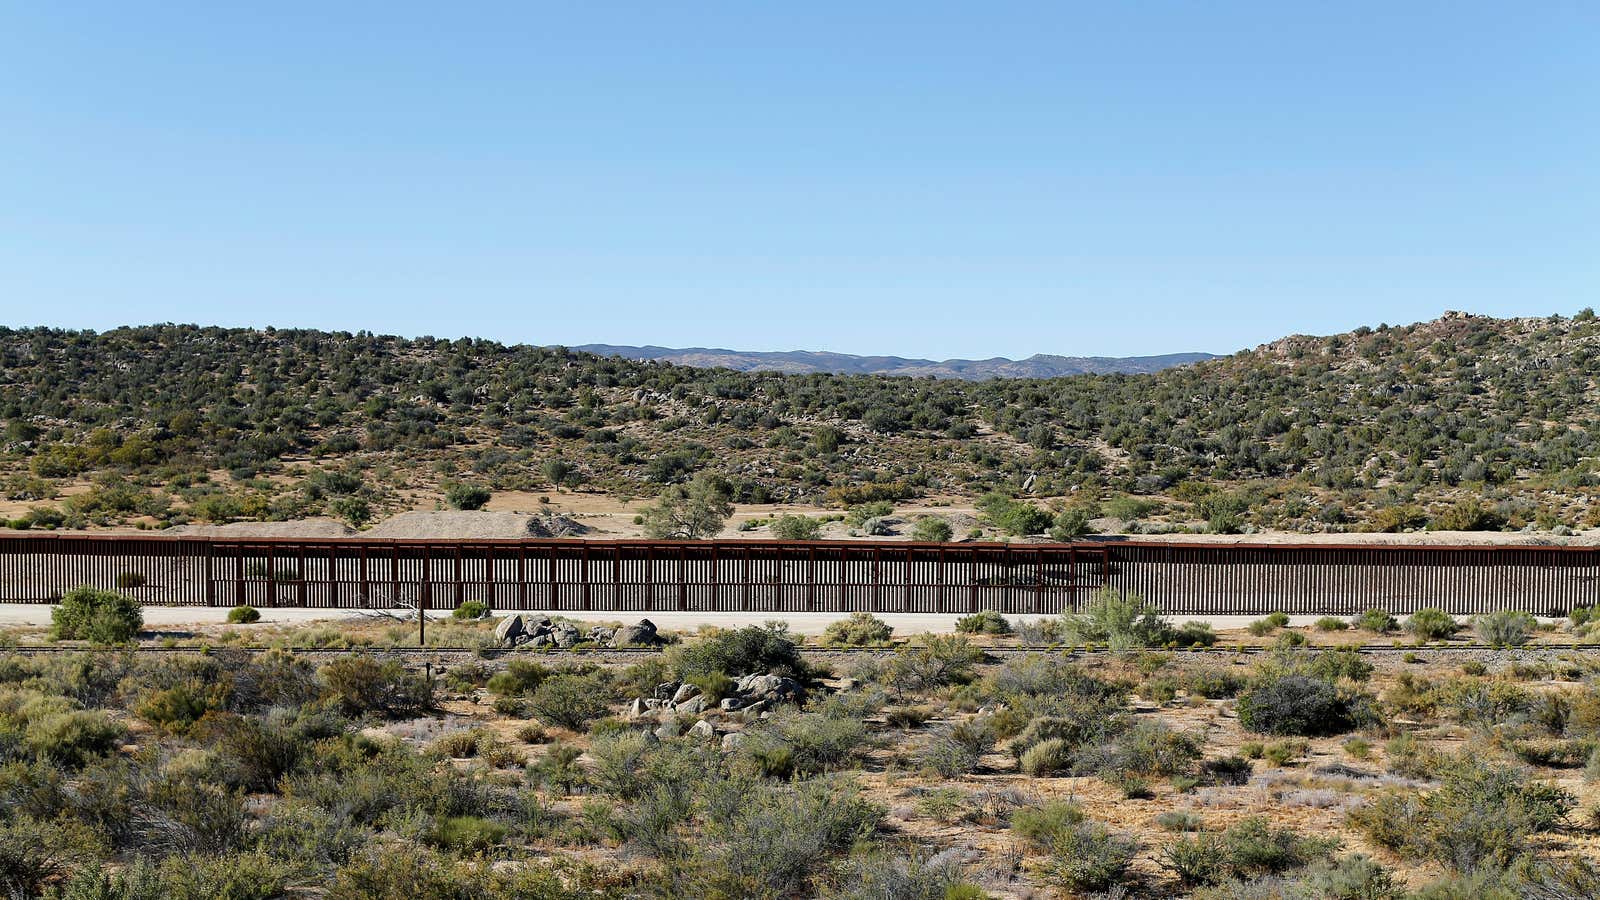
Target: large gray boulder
column 509, row 630
column 702, row 730
column 641, row 632
column 684, row 692
column 565, row 635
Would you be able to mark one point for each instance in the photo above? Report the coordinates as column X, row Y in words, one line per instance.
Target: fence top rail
column 1094, row 548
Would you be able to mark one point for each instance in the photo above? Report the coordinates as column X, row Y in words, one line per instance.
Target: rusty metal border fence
column 798, row 576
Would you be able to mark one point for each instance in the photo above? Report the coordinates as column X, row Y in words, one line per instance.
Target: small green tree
column 1072, row 524
column 693, row 511
column 466, row 496
column 89, row 614
column 796, row 528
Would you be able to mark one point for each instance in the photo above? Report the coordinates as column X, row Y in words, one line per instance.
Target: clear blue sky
column 928, row 179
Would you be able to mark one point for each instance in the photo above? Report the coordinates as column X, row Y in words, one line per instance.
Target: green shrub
column 570, row 701
column 1505, row 627
column 1195, row 634
column 466, row 496
column 466, row 834
column 1145, row 749
column 1482, row 814
column 955, row 750
column 520, row 678
column 1432, row 624
column 176, row 709
column 1041, row 824
column 361, row 685
column 102, row 617
column 1120, row 621
column 1046, row 757
column 796, row 528
column 72, row 738
column 743, row 651
column 861, row 629
column 243, row 615
column 1331, row 623
column 983, row 622
column 470, row 609
column 1089, row 857
column 1180, row 821
column 1015, row 517
column 938, row 660
column 1296, row 705
column 931, row 529
column 1250, row 848
column 1376, row 621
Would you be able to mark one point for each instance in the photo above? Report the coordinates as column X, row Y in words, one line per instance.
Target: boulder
column 601, row 634
column 769, row 686
column 692, row 706
column 636, row 708
column 732, row 740
column 641, row 632
column 565, row 635
column 729, row 704
column 509, row 629
column 541, row 640
column 667, row 691
column 684, row 692
column 702, row 730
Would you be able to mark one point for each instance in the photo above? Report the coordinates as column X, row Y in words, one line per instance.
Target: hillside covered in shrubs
column 1463, row 423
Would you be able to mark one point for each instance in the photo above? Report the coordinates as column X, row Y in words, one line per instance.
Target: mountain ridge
column 796, row 362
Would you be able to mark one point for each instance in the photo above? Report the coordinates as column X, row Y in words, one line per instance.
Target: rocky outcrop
column 542, row 632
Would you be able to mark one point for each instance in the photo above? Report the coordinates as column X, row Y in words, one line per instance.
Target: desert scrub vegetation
column 860, row 629
column 1125, row 621
column 100, row 617
column 1302, row 434
column 927, row 770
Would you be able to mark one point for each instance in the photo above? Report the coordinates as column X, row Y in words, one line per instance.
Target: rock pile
column 753, row 694
column 542, row 632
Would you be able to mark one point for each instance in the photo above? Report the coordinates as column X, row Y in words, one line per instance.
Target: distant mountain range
column 1041, row 365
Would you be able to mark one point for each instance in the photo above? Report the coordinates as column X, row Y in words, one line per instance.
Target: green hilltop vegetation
column 1465, row 422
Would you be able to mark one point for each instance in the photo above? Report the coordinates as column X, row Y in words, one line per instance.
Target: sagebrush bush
column 1120, row 621
column 470, row 609
column 1505, row 627
column 361, row 685
column 796, row 528
column 1046, row 757
column 861, row 629
column 519, row 678
column 1431, row 624
column 71, row 738
column 1376, row 621
column 103, row 617
column 735, row 652
column 1297, row 705
column 570, row 701
column 243, row 615
column 1089, row 856
column 1251, row 848
column 985, row 621
column 1482, row 814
